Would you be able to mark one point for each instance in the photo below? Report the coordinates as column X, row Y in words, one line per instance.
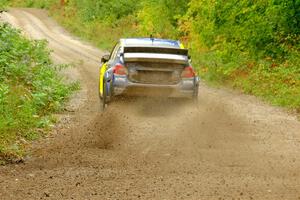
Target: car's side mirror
column 105, row 58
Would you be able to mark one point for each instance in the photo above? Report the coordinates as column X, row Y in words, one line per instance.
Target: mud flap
column 196, row 89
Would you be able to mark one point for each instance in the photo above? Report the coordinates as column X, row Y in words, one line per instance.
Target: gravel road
column 227, row 146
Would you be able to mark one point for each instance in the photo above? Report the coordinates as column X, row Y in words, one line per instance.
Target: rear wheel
column 196, row 89
column 195, row 95
column 104, row 96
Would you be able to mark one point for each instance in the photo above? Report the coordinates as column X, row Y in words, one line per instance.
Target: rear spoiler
column 155, row 54
column 160, row 50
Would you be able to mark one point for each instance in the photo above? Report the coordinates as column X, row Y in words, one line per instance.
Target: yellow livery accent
column 102, row 72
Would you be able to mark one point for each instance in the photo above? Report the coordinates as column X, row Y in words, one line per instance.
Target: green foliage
column 259, row 28
column 160, row 17
column 149, row 18
column 44, row 4
column 105, row 10
column 3, row 4
column 30, row 90
column 252, row 45
column 279, row 83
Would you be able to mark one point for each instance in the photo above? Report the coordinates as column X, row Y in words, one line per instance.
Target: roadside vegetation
column 252, row 46
column 31, row 89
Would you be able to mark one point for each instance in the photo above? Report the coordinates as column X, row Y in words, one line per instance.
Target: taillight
column 120, row 70
column 188, row 72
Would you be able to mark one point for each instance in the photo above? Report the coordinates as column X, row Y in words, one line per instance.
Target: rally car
column 147, row 67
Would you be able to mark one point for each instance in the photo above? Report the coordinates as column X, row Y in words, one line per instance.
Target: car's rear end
column 155, row 71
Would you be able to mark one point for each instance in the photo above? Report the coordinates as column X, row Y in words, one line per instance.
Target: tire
column 111, row 92
column 195, row 95
column 104, row 97
column 196, row 89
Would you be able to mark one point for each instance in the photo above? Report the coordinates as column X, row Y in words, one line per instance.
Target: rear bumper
column 185, row 88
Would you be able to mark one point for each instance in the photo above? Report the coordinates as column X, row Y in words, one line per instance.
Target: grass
column 274, row 81
column 277, row 84
column 31, row 89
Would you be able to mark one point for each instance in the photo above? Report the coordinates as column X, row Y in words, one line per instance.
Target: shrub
column 30, row 90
